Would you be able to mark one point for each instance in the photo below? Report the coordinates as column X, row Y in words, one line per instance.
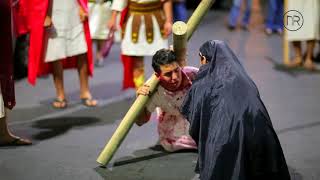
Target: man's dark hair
column 162, row 57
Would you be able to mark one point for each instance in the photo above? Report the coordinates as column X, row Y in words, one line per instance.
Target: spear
column 181, row 34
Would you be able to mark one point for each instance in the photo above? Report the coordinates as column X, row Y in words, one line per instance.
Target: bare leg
column 317, row 58
column 57, row 70
column 99, row 56
column 308, row 64
column 7, row 138
column 85, row 94
column 138, row 71
column 100, row 44
column 297, row 60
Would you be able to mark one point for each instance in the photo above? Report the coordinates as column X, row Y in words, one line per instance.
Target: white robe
column 67, row 36
column 142, row 47
column 310, row 10
column 173, row 128
column 99, row 15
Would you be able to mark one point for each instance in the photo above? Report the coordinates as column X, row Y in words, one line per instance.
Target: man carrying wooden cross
column 175, row 82
column 180, row 39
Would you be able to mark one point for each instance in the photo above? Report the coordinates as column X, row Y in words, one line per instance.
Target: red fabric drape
column 127, row 61
column 20, row 16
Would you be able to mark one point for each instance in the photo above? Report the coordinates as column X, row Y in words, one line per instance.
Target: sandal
column 17, row 141
column 268, row 31
column 99, row 63
column 59, row 103
column 309, row 65
column 296, row 62
column 89, row 102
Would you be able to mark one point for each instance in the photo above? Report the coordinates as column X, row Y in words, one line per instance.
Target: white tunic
column 310, row 10
column 173, row 128
column 99, row 15
column 1, row 105
column 142, row 47
column 67, row 36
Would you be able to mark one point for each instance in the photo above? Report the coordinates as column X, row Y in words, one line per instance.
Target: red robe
column 36, row 64
column 6, row 54
column 20, row 16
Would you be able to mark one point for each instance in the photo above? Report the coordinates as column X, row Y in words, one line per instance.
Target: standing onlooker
column 99, row 14
column 59, row 39
column 309, row 32
column 274, row 21
column 7, row 96
column 145, row 29
column 235, row 12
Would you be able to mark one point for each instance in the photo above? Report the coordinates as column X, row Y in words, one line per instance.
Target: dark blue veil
column 229, row 122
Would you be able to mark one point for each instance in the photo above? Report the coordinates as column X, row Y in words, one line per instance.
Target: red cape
column 127, row 61
column 20, row 16
column 36, row 64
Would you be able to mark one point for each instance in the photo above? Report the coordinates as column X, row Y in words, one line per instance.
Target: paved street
column 67, row 142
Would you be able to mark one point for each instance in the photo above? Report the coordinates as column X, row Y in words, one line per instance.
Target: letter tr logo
column 293, row 20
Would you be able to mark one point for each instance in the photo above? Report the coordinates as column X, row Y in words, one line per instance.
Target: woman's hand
column 167, row 28
column 167, row 8
column 47, row 22
column 112, row 23
column 83, row 15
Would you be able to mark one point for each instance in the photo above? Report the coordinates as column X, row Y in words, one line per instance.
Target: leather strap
column 136, row 22
column 149, row 27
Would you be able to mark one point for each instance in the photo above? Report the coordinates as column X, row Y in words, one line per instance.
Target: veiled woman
column 229, row 122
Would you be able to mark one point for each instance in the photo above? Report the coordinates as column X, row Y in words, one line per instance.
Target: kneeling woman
column 229, row 122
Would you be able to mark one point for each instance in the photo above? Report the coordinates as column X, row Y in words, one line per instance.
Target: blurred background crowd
column 239, row 12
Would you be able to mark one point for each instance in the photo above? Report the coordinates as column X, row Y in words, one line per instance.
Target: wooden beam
column 179, row 31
